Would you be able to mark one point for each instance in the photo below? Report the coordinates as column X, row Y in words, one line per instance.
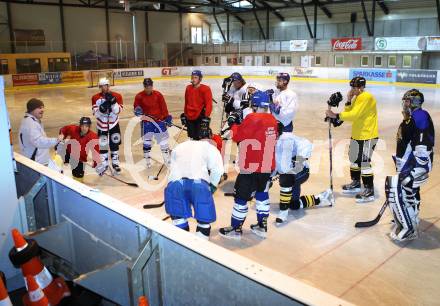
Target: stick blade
column 150, row 206
column 367, row 223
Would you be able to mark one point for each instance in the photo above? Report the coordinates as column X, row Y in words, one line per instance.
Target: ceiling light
column 192, row 7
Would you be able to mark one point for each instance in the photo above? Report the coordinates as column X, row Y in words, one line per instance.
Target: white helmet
column 253, row 85
column 103, row 81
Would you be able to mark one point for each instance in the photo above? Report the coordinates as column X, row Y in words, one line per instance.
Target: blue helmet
column 284, row 76
column 236, row 77
column 260, row 99
column 197, row 73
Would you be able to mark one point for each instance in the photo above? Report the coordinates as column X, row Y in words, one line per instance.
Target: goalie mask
column 412, row 100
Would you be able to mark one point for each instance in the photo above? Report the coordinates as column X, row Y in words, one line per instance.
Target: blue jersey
column 415, row 142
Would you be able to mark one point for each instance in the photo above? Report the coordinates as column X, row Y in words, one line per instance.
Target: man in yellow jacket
column 361, row 110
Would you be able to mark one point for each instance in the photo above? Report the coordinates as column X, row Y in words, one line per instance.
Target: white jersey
column 238, row 95
column 33, row 141
column 192, row 159
column 289, row 146
column 288, row 100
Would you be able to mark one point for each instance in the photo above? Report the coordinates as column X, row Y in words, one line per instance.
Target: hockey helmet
column 358, row 82
column 103, row 81
column 85, row 121
column 260, row 99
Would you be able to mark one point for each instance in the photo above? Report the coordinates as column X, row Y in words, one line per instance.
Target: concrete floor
column 318, row 246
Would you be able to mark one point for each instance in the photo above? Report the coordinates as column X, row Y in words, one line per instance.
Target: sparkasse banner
column 382, row 75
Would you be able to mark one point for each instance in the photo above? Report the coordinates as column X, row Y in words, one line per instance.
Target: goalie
column 414, row 157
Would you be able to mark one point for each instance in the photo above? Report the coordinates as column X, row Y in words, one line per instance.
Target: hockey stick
column 150, row 206
column 330, row 151
column 156, row 177
column 375, row 220
column 116, row 178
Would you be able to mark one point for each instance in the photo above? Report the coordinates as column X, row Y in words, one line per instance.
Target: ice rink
column 319, row 246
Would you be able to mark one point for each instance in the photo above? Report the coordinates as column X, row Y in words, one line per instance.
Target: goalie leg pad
column 404, row 211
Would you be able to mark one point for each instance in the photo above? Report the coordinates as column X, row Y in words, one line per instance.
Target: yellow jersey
column 363, row 114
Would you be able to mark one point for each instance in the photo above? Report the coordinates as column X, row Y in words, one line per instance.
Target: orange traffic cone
column 35, row 296
column 143, row 301
column 4, row 297
column 26, row 256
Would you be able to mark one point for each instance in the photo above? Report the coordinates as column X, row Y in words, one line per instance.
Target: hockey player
column 80, row 139
column 285, row 102
column 414, row 157
column 361, row 110
column 34, row 143
column 195, row 171
column 236, row 97
column 256, row 138
column 292, row 154
column 198, row 106
column 106, row 106
column 150, row 105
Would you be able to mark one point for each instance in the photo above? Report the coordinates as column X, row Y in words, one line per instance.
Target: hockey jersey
column 197, row 100
column 256, row 137
column 288, row 102
column 363, row 113
column 106, row 121
column 292, row 153
column 237, row 95
column 79, row 146
column 415, row 142
column 152, row 105
column 197, row 160
column 34, row 143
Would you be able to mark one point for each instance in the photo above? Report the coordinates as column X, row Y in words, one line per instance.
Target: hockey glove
column 275, row 108
column 183, row 119
column 138, row 112
column 235, row 118
column 169, row 120
column 213, row 188
column 110, row 98
column 105, row 107
column 226, row 98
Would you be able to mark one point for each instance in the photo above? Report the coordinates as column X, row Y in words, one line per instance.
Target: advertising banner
column 49, row 78
column 433, row 43
column 347, row 44
column 383, row 75
column 400, row 43
column 72, row 77
column 29, row 37
column 417, row 76
column 133, row 73
column 298, row 45
column 169, row 71
column 25, row 79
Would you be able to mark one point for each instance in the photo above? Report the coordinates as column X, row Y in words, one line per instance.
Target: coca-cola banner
column 347, row 44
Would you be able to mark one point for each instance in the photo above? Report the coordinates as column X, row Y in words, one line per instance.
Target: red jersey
column 256, row 137
column 152, row 105
column 82, row 145
column 218, row 142
column 113, row 117
column 196, row 100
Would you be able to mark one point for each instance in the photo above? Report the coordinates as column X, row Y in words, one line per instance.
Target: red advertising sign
column 346, row 44
column 25, row 79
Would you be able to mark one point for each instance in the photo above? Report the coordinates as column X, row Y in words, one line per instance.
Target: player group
column 261, row 123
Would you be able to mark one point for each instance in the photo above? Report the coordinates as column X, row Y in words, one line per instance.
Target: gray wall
column 420, row 22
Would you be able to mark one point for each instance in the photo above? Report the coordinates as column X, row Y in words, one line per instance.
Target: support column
column 107, row 27
column 227, row 27
column 315, row 19
column 147, row 28
column 181, row 26
column 267, row 24
column 63, row 30
column 11, row 30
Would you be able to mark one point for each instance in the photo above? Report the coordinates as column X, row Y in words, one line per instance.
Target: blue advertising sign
column 383, row 75
column 49, row 78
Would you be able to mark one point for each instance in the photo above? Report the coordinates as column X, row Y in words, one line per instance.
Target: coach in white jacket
column 34, row 143
column 285, row 102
